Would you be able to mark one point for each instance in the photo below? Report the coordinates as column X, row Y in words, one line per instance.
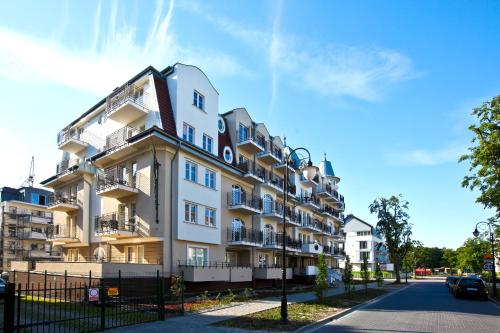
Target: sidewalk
column 200, row 322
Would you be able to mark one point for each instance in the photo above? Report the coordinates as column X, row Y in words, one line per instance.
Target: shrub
column 347, row 276
column 321, row 283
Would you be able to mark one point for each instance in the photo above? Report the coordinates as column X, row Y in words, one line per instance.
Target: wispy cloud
column 113, row 56
column 362, row 72
column 426, row 157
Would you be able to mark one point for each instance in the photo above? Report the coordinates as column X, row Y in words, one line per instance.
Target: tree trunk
column 397, row 268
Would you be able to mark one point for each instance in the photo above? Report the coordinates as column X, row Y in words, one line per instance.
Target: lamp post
column 309, row 172
column 492, row 242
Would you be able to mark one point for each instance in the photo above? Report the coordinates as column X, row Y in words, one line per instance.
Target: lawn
column 300, row 314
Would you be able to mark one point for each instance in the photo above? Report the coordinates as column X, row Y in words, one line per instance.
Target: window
column 363, row 255
column 130, row 254
column 207, row 143
column 268, row 204
column 363, row 233
column 228, row 154
column 190, row 212
column 209, row 178
column 242, row 133
column 198, row 100
column 210, row 217
column 221, row 125
column 188, row 133
column 363, row 245
column 73, row 255
column 191, row 171
column 197, row 255
column 134, row 173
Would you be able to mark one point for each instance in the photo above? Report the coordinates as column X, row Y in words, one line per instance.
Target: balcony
column 271, row 155
column 311, row 201
column 291, row 219
column 307, row 271
column 274, row 240
column 253, row 173
column 273, row 210
column 116, row 146
column 127, row 105
column 314, row 248
column 32, row 235
column 244, row 236
column 115, row 225
column 72, row 141
column 240, row 202
column 62, row 234
column 69, row 170
column 338, row 252
column 281, row 167
column 117, row 183
column 307, row 222
column 204, row 271
column 250, row 140
column 310, row 183
column 324, row 191
column 271, row 273
column 62, row 203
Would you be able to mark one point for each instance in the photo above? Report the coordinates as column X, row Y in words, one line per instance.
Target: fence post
column 182, row 293
column 120, row 288
column 9, row 306
column 102, row 296
column 161, row 295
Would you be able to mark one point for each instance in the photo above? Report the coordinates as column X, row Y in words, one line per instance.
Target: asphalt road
column 424, row 306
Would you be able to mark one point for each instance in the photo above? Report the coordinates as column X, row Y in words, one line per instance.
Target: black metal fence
column 63, row 304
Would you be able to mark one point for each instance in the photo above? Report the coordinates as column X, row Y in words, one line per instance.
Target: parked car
column 451, row 281
column 470, row 286
column 447, row 281
column 2, row 286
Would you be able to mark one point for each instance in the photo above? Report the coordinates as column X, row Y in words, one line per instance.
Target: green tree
column 365, row 274
column 393, row 224
column 484, row 155
column 471, row 254
column 413, row 256
column 321, row 283
column 347, row 276
column 449, row 258
column 379, row 277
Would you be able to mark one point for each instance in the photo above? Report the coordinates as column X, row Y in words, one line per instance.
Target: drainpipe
column 171, row 207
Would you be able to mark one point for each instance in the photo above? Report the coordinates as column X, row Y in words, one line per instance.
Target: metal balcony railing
column 84, row 136
column 61, row 198
column 113, row 222
column 243, row 234
column 273, row 179
column 117, row 176
column 119, row 138
column 272, row 238
column 251, row 167
column 241, row 198
column 251, row 134
column 67, row 165
column 311, row 199
column 59, row 231
column 129, row 93
column 271, row 148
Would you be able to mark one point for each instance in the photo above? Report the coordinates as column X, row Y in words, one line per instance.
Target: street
column 425, row 306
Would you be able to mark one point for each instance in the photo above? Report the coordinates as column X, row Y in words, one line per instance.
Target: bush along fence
column 50, row 303
column 386, row 275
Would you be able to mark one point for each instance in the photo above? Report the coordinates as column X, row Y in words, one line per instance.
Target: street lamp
column 492, row 242
column 309, row 171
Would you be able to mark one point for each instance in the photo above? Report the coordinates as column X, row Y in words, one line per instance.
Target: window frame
column 185, row 133
column 198, row 98
column 210, row 217
column 190, row 169
column 210, row 179
column 191, row 212
column 207, row 138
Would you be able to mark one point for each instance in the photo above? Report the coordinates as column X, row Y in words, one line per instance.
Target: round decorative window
column 228, row 154
column 221, row 125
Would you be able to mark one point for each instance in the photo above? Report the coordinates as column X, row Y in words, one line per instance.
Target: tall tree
column 365, row 274
column 393, row 223
column 347, row 276
column 484, row 155
column 321, row 283
column 413, row 257
column 471, row 254
column 449, row 258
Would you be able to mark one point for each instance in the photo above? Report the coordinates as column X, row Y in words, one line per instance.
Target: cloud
column 362, row 72
column 113, row 57
column 427, row 157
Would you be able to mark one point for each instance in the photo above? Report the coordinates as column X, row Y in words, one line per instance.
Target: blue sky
column 384, row 88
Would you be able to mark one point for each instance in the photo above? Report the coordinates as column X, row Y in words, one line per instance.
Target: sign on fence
column 93, row 294
column 113, row 292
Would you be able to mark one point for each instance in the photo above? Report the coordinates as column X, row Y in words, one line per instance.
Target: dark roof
column 165, row 105
column 224, row 140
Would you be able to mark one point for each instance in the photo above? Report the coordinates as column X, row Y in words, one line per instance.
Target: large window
column 208, row 143
column 210, row 217
column 190, row 212
column 363, row 255
column 188, row 133
column 197, row 255
column 242, row 133
column 198, row 100
column 363, row 245
column 209, row 178
column 191, row 171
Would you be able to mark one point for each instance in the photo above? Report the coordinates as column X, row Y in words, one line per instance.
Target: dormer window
column 198, row 100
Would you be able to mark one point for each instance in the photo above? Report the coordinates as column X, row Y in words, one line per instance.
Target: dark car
column 452, row 282
column 2, row 286
column 448, row 279
column 470, row 287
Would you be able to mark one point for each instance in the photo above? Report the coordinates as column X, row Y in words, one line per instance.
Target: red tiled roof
column 165, row 105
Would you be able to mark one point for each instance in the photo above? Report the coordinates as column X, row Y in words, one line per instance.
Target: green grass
column 300, row 314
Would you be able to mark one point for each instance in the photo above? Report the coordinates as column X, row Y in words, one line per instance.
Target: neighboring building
column 363, row 240
column 153, row 178
column 25, row 224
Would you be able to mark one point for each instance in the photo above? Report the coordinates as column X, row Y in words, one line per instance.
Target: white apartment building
column 362, row 240
column 154, row 178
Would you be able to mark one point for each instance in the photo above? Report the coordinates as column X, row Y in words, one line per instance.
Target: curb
column 313, row 326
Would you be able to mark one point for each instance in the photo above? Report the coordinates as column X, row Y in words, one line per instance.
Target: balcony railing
column 129, row 93
column 311, row 199
column 273, row 180
column 116, row 176
column 244, row 235
column 84, row 137
column 67, row 166
column 271, row 148
column 251, row 167
column 272, row 238
column 114, row 222
column 251, row 134
column 62, row 198
column 61, row 231
column 120, row 137
column 241, row 198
